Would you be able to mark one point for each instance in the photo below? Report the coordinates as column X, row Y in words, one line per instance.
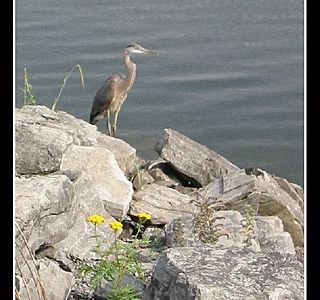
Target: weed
column 205, row 219
column 250, row 213
column 120, row 259
column 28, row 98
column 178, row 233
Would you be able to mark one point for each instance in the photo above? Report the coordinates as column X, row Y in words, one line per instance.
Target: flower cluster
column 96, row 219
column 119, row 260
column 144, row 216
column 115, row 225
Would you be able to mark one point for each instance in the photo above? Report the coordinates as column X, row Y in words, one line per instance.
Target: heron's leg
column 114, row 126
column 108, row 123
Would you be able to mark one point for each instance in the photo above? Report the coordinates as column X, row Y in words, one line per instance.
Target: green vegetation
column 250, row 213
column 119, row 260
column 204, row 220
column 178, row 233
column 29, row 98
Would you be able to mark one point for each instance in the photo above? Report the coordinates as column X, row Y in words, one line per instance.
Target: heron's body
column 114, row 92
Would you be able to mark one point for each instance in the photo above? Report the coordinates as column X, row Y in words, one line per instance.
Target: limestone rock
column 43, row 135
column 56, row 283
column 106, row 180
column 228, row 229
column 163, row 203
column 205, row 273
column 195, row 161
column 39, row 149
column 102, row 292
column 263, row 193
column 50, row 210
column 43, row 209
column 272, row 237
column 142, row 178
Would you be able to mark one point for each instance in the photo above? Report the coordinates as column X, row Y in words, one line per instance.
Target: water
column 229, row 74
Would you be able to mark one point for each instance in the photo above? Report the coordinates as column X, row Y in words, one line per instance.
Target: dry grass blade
column 18, row 295
column 36, row 277
column 24, row 282
column 64, row 83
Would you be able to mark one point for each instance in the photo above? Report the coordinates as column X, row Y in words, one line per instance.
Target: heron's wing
column 104, row 97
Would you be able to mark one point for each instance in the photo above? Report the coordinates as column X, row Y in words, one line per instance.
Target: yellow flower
column 96, row 219
column 144, row 216
column 115, row 225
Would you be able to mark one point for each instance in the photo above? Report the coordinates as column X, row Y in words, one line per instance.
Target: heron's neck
column 131, row 71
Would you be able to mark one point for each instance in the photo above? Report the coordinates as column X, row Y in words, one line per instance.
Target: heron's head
column 137, row 48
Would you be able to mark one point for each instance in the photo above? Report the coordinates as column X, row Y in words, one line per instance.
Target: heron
column 110, row 97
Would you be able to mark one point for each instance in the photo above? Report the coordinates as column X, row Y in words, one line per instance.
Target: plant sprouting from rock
column 250, row 213
column 205, row 219
column 119, row 260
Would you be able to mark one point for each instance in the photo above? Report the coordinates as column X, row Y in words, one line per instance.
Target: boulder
column 260, row 190
column 42, row 136
column 206, row 273
column 102, row 292
column 104, row 179
column 51, row 210
column 194, row 161
column 163, row 203
column 228, row 229
column 43, row 209
column 47, row 282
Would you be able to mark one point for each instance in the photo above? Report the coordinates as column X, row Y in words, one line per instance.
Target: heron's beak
column 150, row 52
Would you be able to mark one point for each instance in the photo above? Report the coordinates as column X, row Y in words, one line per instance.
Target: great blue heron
column 114, row 91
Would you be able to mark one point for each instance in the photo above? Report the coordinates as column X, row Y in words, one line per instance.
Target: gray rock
column 60, row 257
column 50, row 210
column 142, row 178
column 206, row 273
column 182, row 232
column 228, row 229
column 39, row 149
column 124, row 154
column 163, row 203
column 192, row 159
column 263, row 193
column 158, row 175
column 56, row 283
column 43, row 209
column 271, row 235
column 104, row 178
column 43, row 135
column 295, row 191
column 102, row 292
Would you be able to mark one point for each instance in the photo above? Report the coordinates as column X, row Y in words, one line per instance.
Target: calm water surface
column 229, row 74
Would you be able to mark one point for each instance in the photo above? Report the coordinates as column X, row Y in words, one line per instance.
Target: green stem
column 140, row 226
column 119, row 266
column 97, row 240
column 116, row 247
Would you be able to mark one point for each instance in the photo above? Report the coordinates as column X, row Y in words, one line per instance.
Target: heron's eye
column 131, row 46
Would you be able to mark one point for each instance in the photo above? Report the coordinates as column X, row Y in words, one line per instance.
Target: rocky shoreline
column 217, row 231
